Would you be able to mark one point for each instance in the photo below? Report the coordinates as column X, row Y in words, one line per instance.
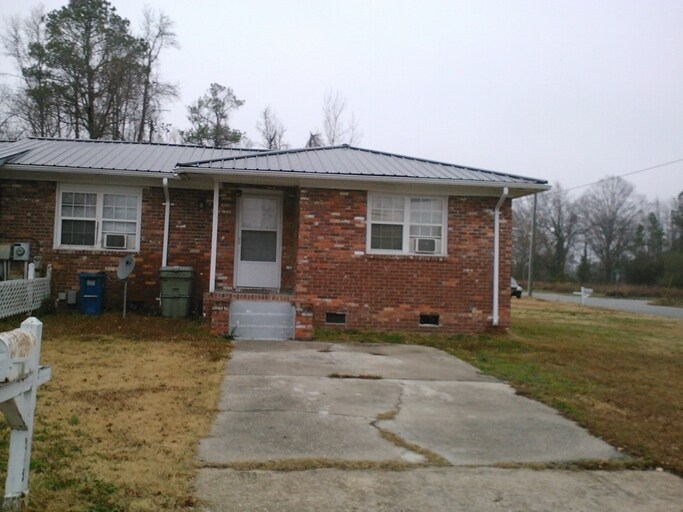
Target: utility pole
column 532, row 249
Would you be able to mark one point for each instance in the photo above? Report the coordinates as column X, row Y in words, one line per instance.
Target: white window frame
column 406, row 250
column 100, row 191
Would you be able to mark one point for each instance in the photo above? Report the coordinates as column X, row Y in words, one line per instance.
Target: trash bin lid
column 91, row 275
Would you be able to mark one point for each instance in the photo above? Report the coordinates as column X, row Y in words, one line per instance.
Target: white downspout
column 167, row 222
column 214, row 237
column 496, row 255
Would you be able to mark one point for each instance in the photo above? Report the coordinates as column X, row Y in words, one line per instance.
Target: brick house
column 281, row 242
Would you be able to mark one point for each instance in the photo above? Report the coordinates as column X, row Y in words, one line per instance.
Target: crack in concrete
column 430, row 458
column 307, row 464
column 326, row 413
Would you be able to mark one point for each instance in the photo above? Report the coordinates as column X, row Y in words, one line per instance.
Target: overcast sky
column 564, row 91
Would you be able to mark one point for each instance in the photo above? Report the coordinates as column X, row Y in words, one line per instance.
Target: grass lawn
column 618, row 374
column 117, row 426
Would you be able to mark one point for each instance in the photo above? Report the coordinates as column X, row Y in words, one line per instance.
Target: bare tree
column 272, row 130
column 11, row 127
column 34, row 104
column 677, row 224
column 610, row 213
column 558, row 230
column 337, row 126
column 157, row 32
column 521, row 233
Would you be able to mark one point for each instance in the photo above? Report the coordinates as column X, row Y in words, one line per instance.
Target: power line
column 628, row 174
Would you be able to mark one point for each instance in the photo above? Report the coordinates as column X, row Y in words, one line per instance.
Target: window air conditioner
column 425, row 245
column 112, row 241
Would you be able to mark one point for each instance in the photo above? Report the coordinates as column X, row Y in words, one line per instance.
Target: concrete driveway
column 319, row 426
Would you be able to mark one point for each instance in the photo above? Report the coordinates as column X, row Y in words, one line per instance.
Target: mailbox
column 20, row 376
column 16, row 354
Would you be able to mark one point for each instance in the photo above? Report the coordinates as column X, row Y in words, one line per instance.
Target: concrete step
column 261, row 320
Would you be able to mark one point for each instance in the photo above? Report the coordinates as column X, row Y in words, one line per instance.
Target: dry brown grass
column 118, row 424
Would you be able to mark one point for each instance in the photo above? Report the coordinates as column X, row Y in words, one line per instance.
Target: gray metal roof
column 107, row 155
column 350, row 162
column 343, row 162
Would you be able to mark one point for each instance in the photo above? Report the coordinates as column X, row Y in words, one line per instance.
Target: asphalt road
column 629, row 305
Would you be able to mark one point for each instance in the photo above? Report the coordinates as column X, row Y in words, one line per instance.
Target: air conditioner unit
column 425, row 245
column 112, row 241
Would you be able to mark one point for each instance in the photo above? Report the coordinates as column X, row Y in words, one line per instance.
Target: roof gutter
column 87, row 170
column 167, row 223
column 496, row 256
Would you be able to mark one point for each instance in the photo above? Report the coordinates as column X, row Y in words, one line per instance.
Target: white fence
column 23, row 295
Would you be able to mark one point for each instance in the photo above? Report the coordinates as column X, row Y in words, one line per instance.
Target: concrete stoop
column 261, row 320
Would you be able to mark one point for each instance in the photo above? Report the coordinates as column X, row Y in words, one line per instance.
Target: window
column 406, row 225
column 90, row 218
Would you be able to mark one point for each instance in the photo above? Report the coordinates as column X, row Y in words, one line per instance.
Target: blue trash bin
column 91, row 293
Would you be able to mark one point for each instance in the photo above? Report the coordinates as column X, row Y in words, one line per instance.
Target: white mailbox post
column 20, row 376
column 584, row 294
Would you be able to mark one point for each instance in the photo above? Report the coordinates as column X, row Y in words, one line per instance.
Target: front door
column 259, row 238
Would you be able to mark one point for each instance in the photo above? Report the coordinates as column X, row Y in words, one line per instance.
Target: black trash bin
column 91, row 293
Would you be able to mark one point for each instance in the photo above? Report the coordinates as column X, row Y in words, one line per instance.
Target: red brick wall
column 27, row 213
column 323, row 258
column 290, row 217
column 390, row 292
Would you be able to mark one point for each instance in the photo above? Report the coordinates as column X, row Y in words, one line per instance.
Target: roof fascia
column 474, row 188
column 226, row 175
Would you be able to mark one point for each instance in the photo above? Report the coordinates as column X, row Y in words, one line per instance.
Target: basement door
column 259, row 241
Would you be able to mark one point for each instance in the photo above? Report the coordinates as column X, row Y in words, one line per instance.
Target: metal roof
column 107, row 155
column 352, row 162
column 341, row 162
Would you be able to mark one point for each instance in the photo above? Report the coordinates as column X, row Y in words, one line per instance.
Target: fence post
column 31, row 277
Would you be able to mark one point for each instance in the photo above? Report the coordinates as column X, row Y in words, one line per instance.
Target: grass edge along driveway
column 117, row 426
column 617, row 374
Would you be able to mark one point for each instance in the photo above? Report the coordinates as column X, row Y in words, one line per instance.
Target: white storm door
column 259, row 239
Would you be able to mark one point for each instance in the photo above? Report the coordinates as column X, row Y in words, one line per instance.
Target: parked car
column 515, row 289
